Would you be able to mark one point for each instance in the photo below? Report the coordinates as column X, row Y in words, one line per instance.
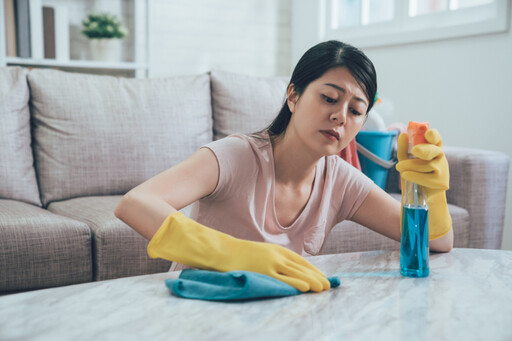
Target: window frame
column 494, row 18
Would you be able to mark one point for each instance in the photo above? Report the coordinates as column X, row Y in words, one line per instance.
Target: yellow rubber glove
column 430, row 170
column 183, row 240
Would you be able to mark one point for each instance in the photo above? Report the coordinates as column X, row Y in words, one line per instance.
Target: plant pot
column 105, row 49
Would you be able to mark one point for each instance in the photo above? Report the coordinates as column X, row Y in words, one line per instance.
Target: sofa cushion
column 119, row 251
column 349, row 236
column 245, row 104
column 17, row 174
column 102, row 135
column 39, row 249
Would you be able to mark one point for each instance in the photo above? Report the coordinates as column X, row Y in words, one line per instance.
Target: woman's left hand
column 430, row 170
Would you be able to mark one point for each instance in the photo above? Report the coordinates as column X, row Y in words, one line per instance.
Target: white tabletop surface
column 468, row 296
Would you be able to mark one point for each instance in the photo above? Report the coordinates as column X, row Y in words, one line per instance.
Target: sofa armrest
column 478, row 183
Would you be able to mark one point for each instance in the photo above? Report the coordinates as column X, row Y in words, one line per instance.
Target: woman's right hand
column 278, row 262
column 181, row 239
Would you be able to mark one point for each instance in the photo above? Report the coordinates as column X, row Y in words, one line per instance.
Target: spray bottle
column 414, row 250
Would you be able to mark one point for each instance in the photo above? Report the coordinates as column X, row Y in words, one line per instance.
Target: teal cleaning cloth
column 231, row 286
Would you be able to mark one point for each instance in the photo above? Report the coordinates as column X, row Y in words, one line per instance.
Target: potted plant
column 105, row 32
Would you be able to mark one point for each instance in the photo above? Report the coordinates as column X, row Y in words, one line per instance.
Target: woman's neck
column 294, row 166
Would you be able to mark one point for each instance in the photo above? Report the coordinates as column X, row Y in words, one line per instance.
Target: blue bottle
column 414, row 249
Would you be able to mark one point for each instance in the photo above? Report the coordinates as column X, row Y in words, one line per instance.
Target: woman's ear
column 291, row 98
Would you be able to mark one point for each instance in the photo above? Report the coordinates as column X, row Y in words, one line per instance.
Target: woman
column 264, row 200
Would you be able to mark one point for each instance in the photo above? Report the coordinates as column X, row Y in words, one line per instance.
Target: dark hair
column 315, row 63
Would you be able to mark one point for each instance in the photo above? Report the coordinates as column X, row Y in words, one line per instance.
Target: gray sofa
column 71, row 145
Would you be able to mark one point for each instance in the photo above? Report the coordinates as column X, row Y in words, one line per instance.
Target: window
column 360, row 13
column 368, row 23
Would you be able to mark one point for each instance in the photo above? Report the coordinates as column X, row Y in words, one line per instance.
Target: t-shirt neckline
column 273, row 192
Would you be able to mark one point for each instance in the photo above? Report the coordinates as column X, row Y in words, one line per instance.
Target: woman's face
column 329, row 113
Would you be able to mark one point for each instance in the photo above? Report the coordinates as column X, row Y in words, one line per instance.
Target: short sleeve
column 235, row 159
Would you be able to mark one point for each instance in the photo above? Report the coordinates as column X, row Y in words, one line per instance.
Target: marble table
column 468, row 296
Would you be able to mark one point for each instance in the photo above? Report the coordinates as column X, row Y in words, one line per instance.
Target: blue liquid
column 414, row 251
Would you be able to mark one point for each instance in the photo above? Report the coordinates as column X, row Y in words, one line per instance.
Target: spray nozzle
column 416, row 132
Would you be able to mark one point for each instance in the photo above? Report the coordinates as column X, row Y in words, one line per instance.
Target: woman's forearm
column 443, row 244
column 143, row 213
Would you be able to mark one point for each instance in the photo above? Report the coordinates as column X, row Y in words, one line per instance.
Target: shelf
column 133, row 13
column 82, row 64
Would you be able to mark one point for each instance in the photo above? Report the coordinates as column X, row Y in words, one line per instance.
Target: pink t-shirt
column 242, row 204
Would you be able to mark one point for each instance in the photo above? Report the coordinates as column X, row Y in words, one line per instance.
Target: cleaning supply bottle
column 414, row 249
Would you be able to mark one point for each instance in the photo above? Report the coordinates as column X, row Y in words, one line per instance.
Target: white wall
column 462, row 86
column 193, row 36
